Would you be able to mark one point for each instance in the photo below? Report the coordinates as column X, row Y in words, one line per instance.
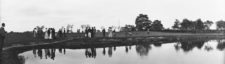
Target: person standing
column 110, row 31
column 103, row 32
column 60, row 33
column 2, row 36
column 64, row 32
column 35, row 32
column 53, row 33
column 92, row 32
column 89, row 32
column 86, row 32
column 78, row 31
column 46, row 33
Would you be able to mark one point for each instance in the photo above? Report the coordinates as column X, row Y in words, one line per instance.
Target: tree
column 176, row 25
column 193, row 25
column 220, row 25
column 157, row 25
column 142, row 22
column 130, row 27
column 185, row 25
column 199, row 25
column 207, row 24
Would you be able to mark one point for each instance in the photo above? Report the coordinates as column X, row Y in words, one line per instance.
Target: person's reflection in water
column 130, row 47
column 126, row 49
column 60, row 50
column 40, row 53
column 46, row 53
column 90, row 53
column 87, row 53
column 53, row 54
column 143, row 50
column 64, row 50
column 110, row 52
column 93, row 50
column 34, row 52
column 114, row 48
column 103, row 52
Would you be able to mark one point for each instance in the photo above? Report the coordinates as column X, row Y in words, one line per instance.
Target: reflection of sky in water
column 164, row 54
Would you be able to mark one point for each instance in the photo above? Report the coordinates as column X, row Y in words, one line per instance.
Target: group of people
column 48, row 33
column 90, row 32
column 110, row 31
column 90, row 53
column 38, row 32
column 62, row 32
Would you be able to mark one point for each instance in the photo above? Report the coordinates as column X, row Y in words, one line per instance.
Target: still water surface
column 209, row 52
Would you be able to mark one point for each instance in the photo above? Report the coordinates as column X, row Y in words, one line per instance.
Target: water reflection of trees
column 47, row 52
column 187, row 46
column 157, row 44
column 143, row 50
column 221, row 45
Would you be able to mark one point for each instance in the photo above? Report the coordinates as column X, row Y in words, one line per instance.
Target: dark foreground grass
column 20, row 39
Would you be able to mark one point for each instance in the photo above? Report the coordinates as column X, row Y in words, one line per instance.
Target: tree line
column 143, row 23
column 197, row 25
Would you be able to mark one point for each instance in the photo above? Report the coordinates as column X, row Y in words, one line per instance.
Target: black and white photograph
column 112, row 31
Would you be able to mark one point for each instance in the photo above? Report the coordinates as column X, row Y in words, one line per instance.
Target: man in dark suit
column 2, row 36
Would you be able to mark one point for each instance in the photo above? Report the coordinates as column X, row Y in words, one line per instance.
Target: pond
column 180, row 52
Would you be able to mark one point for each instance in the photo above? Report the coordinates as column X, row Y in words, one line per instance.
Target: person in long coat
column 103, row 32
column 110, row 32
column 46, row 33
column 2, row 36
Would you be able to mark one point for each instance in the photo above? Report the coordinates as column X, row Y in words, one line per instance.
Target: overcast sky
column 24, row 15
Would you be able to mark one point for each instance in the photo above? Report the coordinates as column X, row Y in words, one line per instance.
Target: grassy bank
column 161, row 33
column 17, row 39
column 13, row 39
